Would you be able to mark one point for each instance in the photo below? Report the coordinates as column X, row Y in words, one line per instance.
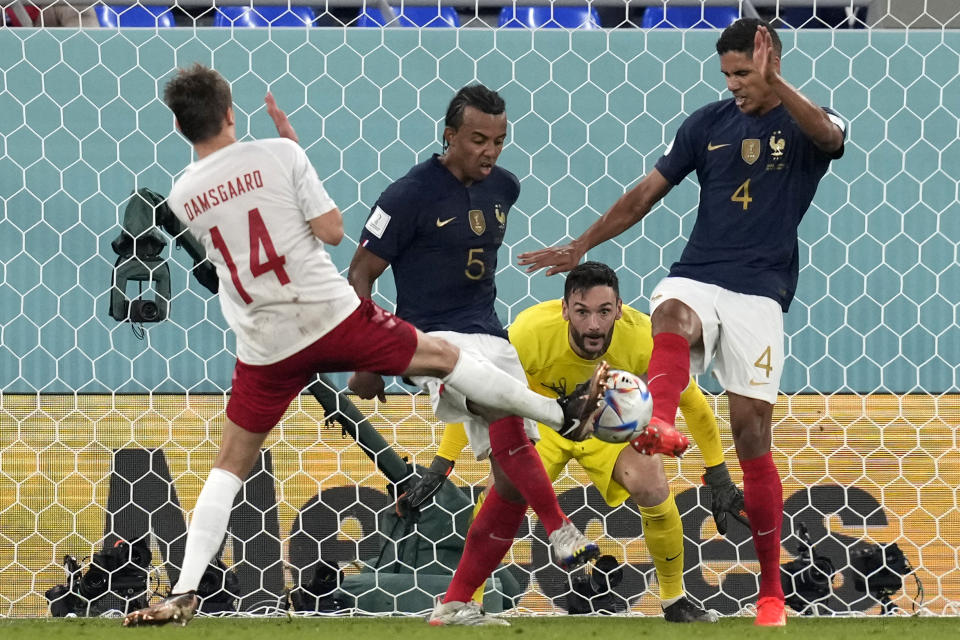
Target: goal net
column 108, row 429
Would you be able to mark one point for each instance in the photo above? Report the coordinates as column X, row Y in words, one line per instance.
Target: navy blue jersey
column 441, row 238
column 757, row 178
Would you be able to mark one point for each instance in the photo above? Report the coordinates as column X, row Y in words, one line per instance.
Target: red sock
column 516, row 455
column 763, row 502
column 668, row 374
column 488, row 541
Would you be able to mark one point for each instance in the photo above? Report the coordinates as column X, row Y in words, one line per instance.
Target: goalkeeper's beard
column 580, row 340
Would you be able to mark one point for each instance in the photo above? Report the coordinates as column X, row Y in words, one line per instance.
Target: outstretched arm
column 812, row 120
column 626, row 212
column 280, row 121
column 328, row 226
column 365, row 268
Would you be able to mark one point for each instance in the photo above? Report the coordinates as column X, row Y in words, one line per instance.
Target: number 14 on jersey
column 259, row 237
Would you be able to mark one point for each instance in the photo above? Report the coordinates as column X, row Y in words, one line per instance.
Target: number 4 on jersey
column 259, row 237
column 742, row 195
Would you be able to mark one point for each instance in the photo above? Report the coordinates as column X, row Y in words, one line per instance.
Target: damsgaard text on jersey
column 222, row 192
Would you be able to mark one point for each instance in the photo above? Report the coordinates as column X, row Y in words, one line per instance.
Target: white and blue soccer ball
column 625, row 408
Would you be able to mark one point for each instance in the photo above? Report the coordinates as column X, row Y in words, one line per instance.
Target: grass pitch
column 553, row 628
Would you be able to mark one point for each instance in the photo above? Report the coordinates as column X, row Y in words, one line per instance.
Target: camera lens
column 149, row 311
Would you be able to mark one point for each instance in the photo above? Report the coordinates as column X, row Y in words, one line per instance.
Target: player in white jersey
column 247, row 204
column 263, row 216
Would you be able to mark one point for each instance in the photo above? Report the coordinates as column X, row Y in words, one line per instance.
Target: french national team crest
column 477, row 222
column 750, row 150
column 776, row 145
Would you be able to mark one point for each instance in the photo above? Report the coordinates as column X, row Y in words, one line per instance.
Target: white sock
column 491, row 387
column 211, row 515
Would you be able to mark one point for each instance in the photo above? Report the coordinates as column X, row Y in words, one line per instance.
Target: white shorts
column 742, row 335
column 451, row 405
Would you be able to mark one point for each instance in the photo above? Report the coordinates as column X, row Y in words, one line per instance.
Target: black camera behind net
column 807, row 579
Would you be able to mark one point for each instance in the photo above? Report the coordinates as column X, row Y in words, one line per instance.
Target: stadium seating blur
column 689, row 17
column 549, row 17
column 152, row 16
column 822, row 18
column 264, row 16
column 410, row 16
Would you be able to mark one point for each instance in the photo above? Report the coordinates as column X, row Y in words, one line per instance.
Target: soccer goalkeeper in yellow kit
column 559, row 343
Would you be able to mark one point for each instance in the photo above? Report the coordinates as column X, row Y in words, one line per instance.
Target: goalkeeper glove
column 726, row 498
column 410, row 501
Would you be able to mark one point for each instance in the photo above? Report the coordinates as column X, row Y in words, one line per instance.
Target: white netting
column 105, row 435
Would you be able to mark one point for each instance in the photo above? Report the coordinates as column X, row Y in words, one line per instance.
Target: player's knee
column 644, row 478
column 673, row 316
column 652, row 494
column 750, row 424
column 436, row 356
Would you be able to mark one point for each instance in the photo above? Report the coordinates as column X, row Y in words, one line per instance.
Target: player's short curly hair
column 199, row 97
column 476, row 96
column 588, row 275
column 739, row 37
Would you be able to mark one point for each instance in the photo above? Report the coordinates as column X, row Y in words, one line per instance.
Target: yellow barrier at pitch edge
column 56, row 454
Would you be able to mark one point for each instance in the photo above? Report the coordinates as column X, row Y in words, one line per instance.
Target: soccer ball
column 625, row 408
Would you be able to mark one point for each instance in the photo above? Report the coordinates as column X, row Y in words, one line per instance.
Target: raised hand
column 765, row 55
column 560, row 259
column 284, row 128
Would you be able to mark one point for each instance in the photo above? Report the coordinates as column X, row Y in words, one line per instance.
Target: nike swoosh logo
column 756, row 383
column 516, row 449
column 766, row 533
column 443, row 223
column 714, row 147
column 671, row 559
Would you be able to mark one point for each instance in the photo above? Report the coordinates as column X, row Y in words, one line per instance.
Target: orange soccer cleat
column 770, row 612
column 660, row 437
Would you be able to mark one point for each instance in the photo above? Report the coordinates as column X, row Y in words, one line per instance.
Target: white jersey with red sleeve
column 250, row 203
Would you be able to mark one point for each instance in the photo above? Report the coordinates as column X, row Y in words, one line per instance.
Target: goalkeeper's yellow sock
column 453, row 442
column 663, row 532
column 702, row 425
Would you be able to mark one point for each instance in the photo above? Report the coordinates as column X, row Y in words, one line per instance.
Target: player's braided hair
column 739, row 37
column 199, row 98
column 588, row 275
column 476, row 96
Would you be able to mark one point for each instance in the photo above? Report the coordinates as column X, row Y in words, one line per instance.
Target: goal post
column 107, row 431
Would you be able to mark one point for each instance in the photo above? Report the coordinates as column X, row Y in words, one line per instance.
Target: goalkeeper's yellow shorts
column 595, row 456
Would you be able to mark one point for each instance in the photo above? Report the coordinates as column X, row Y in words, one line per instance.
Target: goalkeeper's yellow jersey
column 539, row 334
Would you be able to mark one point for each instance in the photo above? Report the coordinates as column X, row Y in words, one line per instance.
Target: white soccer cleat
column 570, row 548
column 176, row 608
column 463, row 614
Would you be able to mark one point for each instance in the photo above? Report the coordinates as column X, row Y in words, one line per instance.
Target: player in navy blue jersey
column 440, row 227
column 442, row 244
column 759, row 157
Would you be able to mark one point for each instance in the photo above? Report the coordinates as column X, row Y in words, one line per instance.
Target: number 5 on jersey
column 258, row 237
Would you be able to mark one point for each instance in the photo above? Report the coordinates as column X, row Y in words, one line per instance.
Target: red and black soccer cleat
column 660, row 437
